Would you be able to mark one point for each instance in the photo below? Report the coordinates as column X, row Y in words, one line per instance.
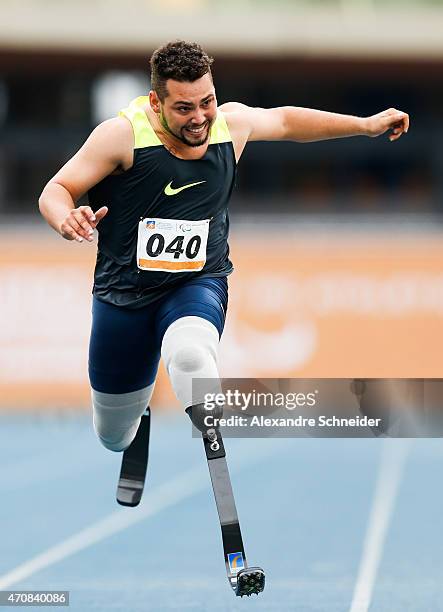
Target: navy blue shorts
column 124, row 350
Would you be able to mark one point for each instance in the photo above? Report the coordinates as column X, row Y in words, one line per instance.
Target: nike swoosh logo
column 169, row 190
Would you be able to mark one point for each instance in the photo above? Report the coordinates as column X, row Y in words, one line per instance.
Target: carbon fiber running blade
column 243, row 579
column 134, row 466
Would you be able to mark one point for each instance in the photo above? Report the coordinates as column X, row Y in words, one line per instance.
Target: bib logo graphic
column 170, row 190
column 150, row 224
column 236, row 562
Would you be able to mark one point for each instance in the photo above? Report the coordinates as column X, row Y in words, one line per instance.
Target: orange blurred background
column 302, row 304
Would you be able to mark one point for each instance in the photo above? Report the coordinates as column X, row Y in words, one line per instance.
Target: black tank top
column 160, row 185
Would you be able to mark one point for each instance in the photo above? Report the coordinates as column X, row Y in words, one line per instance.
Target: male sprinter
column 159, row 178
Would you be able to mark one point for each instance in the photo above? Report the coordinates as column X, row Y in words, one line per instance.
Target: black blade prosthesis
column 134, row 465
column 244, row 580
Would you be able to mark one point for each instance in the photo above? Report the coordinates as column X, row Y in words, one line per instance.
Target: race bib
column 172, row 245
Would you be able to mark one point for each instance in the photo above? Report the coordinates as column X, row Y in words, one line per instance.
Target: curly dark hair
column 178, row 60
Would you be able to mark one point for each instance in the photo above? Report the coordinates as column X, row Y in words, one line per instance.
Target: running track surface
column 338, row 525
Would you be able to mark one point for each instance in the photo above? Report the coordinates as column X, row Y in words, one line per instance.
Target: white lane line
column 168, row 494
column 393, row 458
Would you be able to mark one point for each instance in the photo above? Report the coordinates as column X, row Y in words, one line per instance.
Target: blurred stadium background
column 352, row 280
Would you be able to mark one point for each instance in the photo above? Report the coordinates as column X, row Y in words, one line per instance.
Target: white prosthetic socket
column 189, row 350
column 116, row 416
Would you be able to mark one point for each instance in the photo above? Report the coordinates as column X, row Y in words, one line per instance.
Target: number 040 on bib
column 172, row 245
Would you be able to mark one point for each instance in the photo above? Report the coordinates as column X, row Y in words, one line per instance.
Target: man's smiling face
column 189, row 109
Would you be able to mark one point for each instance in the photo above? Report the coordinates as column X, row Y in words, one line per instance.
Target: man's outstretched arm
column 310, row 125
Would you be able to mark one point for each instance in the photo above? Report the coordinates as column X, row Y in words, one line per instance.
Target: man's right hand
column 81, row 223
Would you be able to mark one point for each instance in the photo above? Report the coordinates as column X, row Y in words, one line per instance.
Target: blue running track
column 338, row 525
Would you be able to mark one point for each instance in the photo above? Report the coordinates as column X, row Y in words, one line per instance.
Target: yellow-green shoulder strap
column 220, row 130
column 144, row 135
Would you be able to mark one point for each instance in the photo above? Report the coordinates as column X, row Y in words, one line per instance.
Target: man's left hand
column 392, row 119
